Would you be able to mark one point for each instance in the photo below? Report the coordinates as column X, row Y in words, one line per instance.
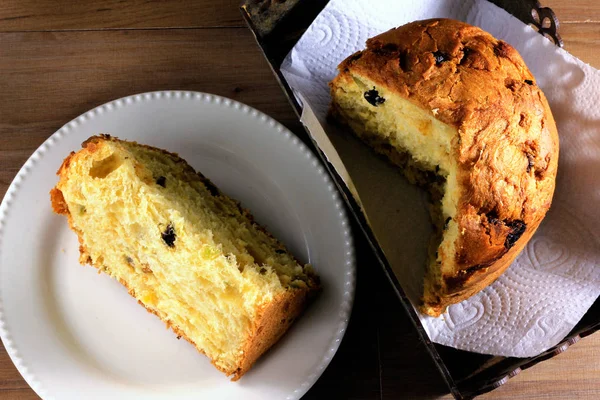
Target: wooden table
column 60, row 58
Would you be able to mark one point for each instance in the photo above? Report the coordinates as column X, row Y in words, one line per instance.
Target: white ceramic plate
column 75, row 334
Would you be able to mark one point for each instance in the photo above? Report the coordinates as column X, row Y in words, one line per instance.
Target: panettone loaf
column 187, row 252
column 460, row 113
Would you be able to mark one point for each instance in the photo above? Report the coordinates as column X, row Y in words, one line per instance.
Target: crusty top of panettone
column 507, row 142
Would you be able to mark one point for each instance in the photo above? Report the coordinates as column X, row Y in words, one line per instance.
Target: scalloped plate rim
column 350, row 283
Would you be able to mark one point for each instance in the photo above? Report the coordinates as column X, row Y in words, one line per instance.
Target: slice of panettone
column 187, row 252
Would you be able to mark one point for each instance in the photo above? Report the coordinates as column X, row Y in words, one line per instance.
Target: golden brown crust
column 507, row 143
column 92, row 143
column 59, row 205
column 271, row 323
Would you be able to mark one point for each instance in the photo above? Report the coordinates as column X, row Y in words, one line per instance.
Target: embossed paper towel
column 554, row 281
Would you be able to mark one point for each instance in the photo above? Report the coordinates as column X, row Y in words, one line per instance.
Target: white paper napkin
column 557, row 277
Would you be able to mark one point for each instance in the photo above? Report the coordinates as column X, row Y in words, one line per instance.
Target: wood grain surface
column 60, row 58
column 575, row 12
column 36, row 15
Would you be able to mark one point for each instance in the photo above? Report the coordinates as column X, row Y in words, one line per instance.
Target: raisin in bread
column 460, row 113
column 187, row 252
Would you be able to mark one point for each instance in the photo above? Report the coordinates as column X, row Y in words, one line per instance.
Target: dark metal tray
column 277, row 26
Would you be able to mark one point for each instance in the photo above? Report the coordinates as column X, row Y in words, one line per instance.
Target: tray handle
column 531, row 12
column 265, row 15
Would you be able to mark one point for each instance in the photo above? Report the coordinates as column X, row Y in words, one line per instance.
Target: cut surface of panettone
column 187, row 252
column 460, row 113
